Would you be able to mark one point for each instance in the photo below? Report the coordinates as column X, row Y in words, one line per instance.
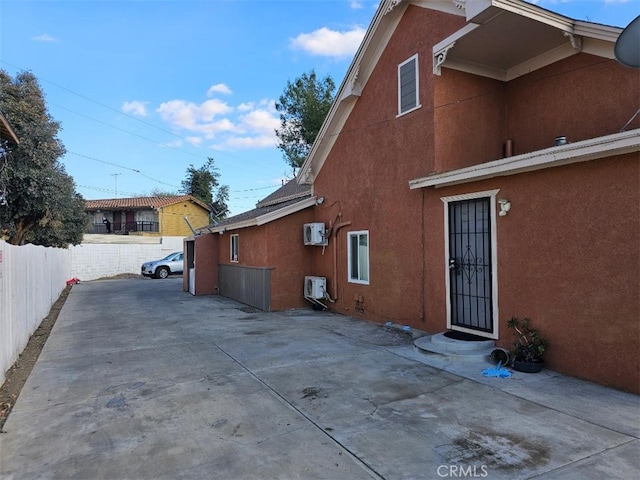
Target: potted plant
column 528, row 347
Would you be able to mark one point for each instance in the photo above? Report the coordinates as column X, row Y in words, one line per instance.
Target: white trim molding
column 265, row 218
column 494, row 260
column 592, row 149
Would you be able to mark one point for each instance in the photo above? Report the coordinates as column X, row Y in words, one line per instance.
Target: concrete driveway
column 140, row 380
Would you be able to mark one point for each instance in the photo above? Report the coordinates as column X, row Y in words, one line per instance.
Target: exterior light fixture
column 505, row 206
column 319, row 200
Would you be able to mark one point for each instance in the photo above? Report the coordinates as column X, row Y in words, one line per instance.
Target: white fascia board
column 267, row 217
column 597, row 31
column 534, row 12
column 288, row 210
column 233, row 226
column 599, row 48
column 388, row 15
column 592, row 149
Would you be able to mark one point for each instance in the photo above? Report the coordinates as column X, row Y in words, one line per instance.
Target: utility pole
column 115, row 177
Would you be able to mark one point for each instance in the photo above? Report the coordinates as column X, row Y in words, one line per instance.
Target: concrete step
column 456, row 349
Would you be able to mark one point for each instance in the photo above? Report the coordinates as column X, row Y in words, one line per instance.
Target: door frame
column 491, row 194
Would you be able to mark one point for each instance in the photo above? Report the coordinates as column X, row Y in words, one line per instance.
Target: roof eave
column 585, row 150
column 265, row 218
column 388, row 14
column 543, row 37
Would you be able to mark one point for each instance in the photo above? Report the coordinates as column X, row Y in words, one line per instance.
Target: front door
column 470, row 269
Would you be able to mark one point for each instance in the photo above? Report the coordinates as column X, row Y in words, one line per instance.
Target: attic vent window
column 408, row 85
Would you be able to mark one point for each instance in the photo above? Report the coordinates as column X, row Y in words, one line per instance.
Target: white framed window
column 234, row 239
column 358, row 256
column 408, row 85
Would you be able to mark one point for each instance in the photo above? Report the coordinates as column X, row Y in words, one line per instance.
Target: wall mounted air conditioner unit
column 314, row 234
column 315, row 287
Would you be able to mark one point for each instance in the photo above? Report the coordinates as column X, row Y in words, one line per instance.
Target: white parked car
column 169, row 265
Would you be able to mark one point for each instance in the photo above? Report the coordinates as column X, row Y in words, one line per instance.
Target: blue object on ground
column 496, row 372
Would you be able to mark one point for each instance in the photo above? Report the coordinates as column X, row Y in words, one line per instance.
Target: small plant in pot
column 528, row 348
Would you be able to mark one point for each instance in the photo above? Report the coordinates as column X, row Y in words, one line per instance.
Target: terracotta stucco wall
column 172, row 218
column 291, row 258
column 277, row 245
column 469, row 120
column 365, row 181
column 568, row 259
column 580, row 97
column 206, row 251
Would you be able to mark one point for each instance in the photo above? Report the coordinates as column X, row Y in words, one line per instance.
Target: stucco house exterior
column 155, row 216
column 255, row 257
column 481, row 161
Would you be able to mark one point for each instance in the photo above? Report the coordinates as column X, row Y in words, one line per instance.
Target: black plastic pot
column 500, row 355
column 528, row 367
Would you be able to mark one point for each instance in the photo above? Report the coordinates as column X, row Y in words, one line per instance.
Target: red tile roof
column 140, row 202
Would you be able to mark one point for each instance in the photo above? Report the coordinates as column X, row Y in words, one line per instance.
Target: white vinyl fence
column 31, row 280
column 33, row 277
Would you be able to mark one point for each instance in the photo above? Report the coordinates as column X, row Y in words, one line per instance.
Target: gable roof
column 289, row 191
column 290, row 198
column 141, row 203
column 490, row 44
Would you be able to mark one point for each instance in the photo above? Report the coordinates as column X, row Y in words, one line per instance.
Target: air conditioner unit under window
column 315, row 287
column 314, row 234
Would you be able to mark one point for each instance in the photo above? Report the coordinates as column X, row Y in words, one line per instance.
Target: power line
column 136, row 119
column 124, row 168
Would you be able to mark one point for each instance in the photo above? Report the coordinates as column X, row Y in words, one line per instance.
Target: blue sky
column 145, row 88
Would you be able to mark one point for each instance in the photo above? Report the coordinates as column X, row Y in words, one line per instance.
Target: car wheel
column 162, row 272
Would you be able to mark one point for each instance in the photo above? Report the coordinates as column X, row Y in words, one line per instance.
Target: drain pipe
column 336, row 227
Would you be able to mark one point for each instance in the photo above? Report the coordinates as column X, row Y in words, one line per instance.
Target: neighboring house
column 258, row 259
column 481, row 161
column 158, row 216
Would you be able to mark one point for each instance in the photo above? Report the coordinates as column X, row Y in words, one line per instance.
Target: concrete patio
column 140, row 380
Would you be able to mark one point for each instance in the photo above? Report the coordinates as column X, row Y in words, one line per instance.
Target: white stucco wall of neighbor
column 31, row 280
column 33, row 277
column 90, row 261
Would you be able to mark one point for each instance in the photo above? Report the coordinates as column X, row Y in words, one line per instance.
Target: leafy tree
column 159, row 192
column 42, row 206
column 202, row 182
column 219, row 206
column 303, row 107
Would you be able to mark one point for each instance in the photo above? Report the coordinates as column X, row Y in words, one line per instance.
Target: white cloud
column 247, row 143
column 45, row 37
column 135, row 108
column 246, row 107
column 174, row 144
column 356, row 5
column 250, row 125
column 191, row 116
column 218, row 88
column 329, row 43
column 260, row 121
